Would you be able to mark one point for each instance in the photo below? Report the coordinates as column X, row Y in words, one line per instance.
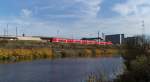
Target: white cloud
column 82, row 9
column 134, row 12
column 133, row 7
column 82, row 28
column 123, row 9
column 87, row 25
column 90, row 7
column 26, row 13
column 74, row 8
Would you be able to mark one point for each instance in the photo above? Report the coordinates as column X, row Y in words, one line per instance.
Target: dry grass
column 17, row 54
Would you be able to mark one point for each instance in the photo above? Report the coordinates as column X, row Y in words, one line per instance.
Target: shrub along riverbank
column 30, row 50
column 137, row 61
column 85, row 52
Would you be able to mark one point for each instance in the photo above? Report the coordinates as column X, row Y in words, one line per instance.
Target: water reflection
column 60, row 70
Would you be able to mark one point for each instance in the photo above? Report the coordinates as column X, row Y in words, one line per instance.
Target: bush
column 137, row 61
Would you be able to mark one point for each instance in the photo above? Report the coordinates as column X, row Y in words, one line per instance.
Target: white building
column 29, row 38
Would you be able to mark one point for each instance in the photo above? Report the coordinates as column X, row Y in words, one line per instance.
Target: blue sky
column 74, row 18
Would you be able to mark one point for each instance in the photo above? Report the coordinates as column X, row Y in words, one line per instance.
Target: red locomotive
column 63, row 40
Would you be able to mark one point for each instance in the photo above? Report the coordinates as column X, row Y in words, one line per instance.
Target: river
column 60, row 70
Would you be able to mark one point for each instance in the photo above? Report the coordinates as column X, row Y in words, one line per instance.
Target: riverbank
column 136, row 60
column 41, row 53
column 25, row 54
column 30, row 50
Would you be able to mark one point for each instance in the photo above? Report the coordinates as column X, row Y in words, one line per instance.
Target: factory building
column 20, row 38
column 8, row 38
column 115, row 39
column 134, row 40
column 29, row 38
column 95, row 39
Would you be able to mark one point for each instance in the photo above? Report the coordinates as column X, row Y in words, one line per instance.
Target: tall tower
column 4, row 31
column 7, row 30
column 143, row 30
column 16, row 31
column 98, row 36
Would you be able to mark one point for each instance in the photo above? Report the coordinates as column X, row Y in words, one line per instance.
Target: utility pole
column 98, row 36
column 143, row 31
column 4, row 31
column 143, row 28
column 16, row 31
column 7, row 30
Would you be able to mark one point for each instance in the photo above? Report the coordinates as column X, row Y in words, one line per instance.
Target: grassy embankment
column 88, row 52
column 29, row 50
column 23, row 50
column 78, row 50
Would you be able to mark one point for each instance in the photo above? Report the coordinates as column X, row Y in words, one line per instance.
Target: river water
column 60, row 70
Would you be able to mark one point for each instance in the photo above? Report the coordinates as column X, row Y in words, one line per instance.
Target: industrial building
column 115, row 39
column 134, row 40
column 8, row 38
column 96, row 39
column 20, row 38
column 29, row 38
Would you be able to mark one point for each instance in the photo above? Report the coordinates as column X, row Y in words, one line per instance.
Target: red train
column 79, row 41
